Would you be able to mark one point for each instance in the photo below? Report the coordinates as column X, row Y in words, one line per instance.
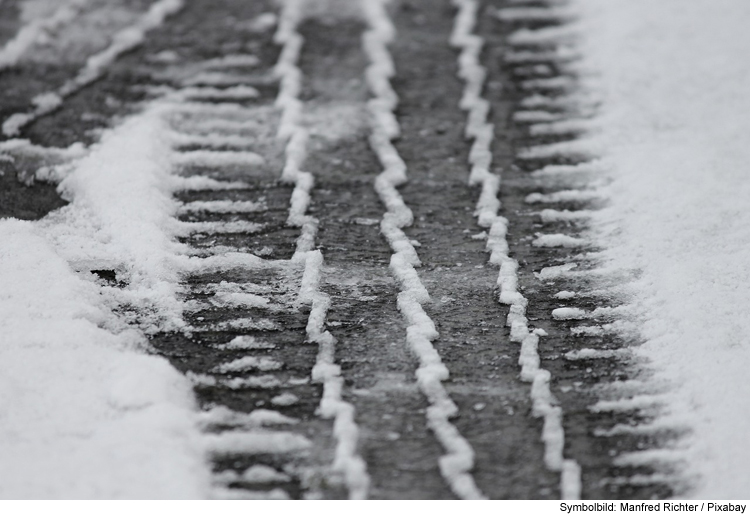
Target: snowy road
column 337, row 249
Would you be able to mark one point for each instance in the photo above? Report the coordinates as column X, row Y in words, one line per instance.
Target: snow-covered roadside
column 84, row 412
column 673, row 80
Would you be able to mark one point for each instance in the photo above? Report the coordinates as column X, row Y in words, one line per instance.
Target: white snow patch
column 555, row 272
column 243, row 494
column 673, row 127
column 247, row 343
column 558, row 240
column 218, row 158
column 128, row 171
column 256, row 442
column 258, row 474
column 226, row 417
column 84, row 413
column 567, row 314
column 590, row 353
column 284, row 400
column 222, row 206
column 248, row 363
column 205, row 183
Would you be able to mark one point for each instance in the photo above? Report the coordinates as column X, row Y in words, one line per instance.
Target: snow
column 458, row 460
column 223, row 206
column 258, row 418
column 248, row 363
column 569, row 126
column 217, row 79
column 558, row 240
column 36, row 28
column 347, row 460
column 672, row 77
column 213, row 140
column 218, row 158
column 88, row 413
column 488, row 205
column 84, row 412
column 562, row 196
column 578, row 148
column 244, row 323
column 243, row 494
column 284, row 399
column 555, row 272
column 266, row 381
column 534, row 116
column 205, row 183
column 122, row 42
column 635, row 403
column 258, row 474
column 256, row 442
column 537, row 14
column 552, row 215
column 130, row 166
column 247, row 343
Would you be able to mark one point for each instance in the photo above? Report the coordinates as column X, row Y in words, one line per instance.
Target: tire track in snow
column 325, row 371
column 246, row 332
column 123, row 41
column 480, row 159
column 587, row 323
column 233, row 294
column 494, row 405
column 241, row 350
column 458, row 461
column 401, row 452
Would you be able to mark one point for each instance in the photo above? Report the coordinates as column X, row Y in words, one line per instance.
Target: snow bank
column 82, row 414
column 673, row 78
column 121, row 216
